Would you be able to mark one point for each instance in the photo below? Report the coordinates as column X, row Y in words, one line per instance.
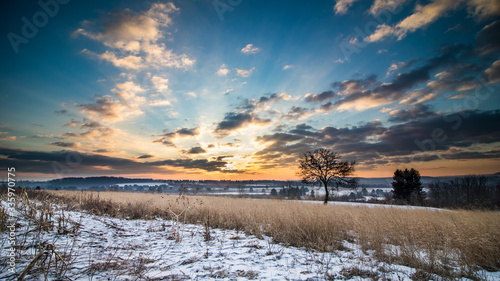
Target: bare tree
column 323, row 165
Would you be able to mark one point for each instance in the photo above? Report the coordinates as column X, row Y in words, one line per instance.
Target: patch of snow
column 105, row 248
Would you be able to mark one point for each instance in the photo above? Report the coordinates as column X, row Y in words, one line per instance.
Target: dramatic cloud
column 133, row 38
column 70, row 162
column 61, row 162
column 250, row 49
column 419, row 138
column 368, row 93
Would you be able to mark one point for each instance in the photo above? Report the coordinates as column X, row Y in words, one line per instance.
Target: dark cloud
column 436, row 134
column 103, row 106
column 247, row 113
column 271, row 98
column 278, row 137
column 202, row 164
column 354, row 92
column 488, row 39
column 404, row 81
column 296, row 112
column 356, row 85
column 57, row 162
column 181, row 132
column 187, row 132
column 327, row 95
column 196, row 150
column 493, row 72
column 72, row 162
column 329, row 136
column 65, row 144
column 429, row 137
column 304, row 130
column 417, row 111
column 226, row 171
column 250, row 105
column 61, row 112
column 145, row 156
column 93, row 130
column 233, row 121
column 220, row 158
column 466, row 155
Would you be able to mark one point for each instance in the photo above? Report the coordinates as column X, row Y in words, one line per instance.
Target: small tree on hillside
column 323, row 165
column 407, row 186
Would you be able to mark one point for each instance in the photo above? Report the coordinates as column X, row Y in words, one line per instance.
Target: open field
column 431, row 240
column 359, row 240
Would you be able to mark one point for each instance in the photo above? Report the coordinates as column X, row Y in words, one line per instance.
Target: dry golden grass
column 431, row 240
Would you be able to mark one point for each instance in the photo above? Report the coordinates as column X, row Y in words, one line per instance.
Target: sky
column 240, row 89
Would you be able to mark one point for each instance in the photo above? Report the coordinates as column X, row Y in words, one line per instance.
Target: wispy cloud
column 383, row 5
column 424, row 15
column 244, row 72
column 250, row 49
column 342, row 6
column 8, row 138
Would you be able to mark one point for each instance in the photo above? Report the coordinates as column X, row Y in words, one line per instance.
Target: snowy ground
column 102, row 248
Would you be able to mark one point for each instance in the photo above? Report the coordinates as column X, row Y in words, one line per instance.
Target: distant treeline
column 465, row 192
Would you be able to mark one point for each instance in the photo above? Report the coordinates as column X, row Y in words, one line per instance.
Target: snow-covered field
column 103, row 248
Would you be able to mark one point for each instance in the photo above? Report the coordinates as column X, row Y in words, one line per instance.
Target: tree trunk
column 326, row 193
